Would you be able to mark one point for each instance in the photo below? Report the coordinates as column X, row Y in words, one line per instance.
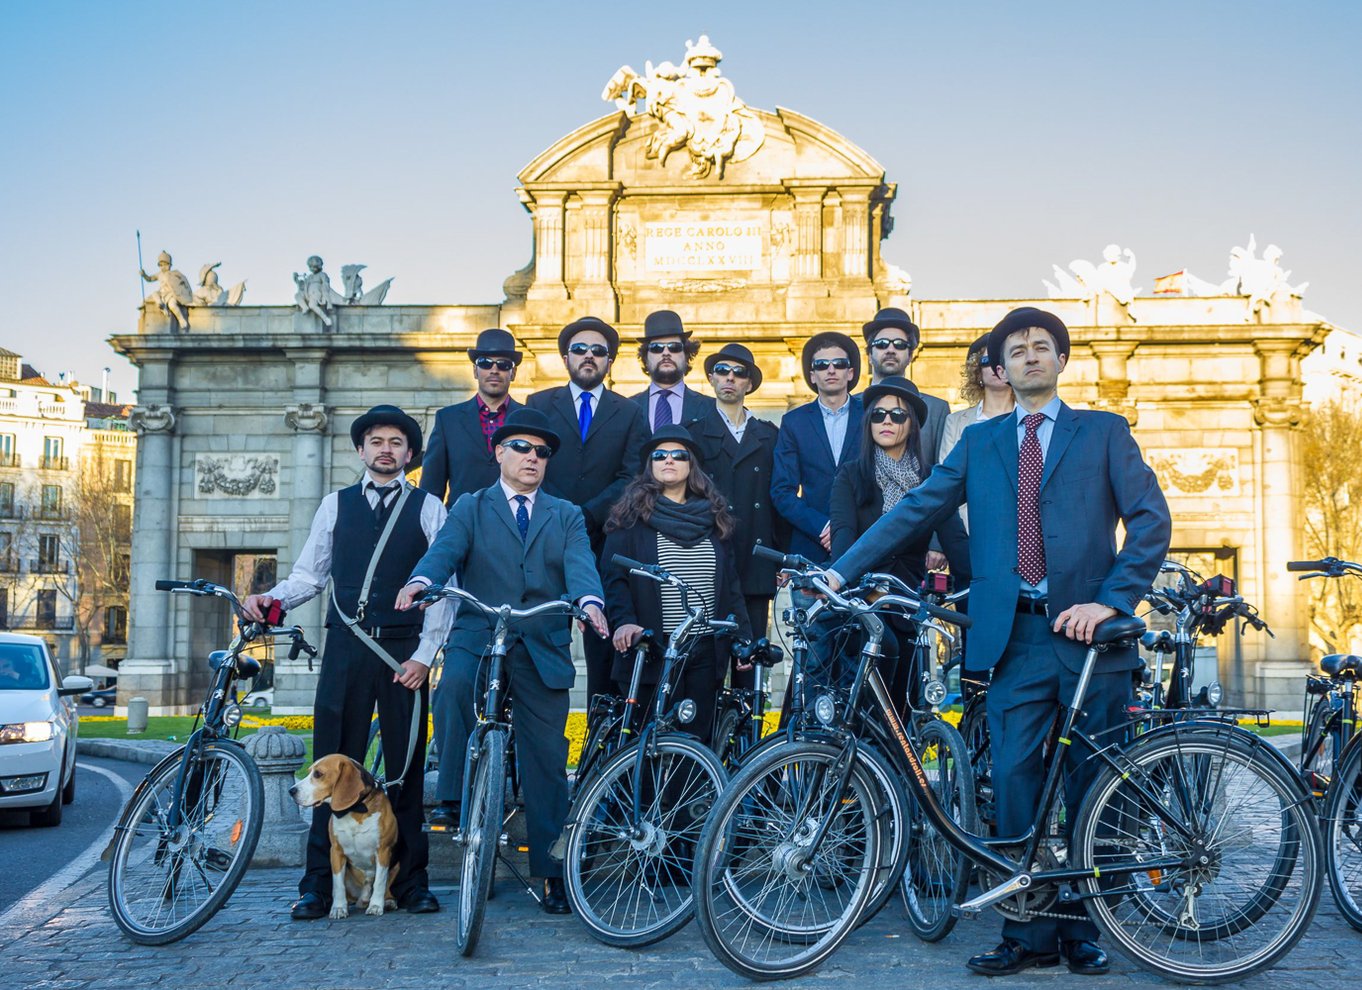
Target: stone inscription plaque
column 693, row 246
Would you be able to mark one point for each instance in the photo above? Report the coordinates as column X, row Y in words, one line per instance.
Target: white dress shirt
column 835, row 423
column 312, row 569
column 737, row 430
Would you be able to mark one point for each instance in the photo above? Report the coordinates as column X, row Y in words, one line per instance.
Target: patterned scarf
column 896, row 478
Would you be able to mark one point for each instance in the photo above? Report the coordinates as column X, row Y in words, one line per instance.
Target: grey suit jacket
column 938, row 411
column 1094, row 476
column 480, row 544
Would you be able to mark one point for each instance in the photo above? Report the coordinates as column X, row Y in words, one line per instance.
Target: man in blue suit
column 534, row 549
column 814, row 439
column 1046, row 488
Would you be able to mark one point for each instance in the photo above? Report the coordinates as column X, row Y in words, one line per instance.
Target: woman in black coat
column 888, row 467
column 671, row 514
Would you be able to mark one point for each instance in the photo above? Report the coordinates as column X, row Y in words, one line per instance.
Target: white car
column 259, row 699
column 38, row 727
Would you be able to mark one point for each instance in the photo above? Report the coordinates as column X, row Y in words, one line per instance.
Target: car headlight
column 17, row 732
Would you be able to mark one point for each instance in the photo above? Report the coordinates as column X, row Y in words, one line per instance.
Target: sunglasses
column 823, row 364
column 673, row 348
column 681, row 456
column 595, row 350
column 540, row 450
column 487, row 364
column 884, row 343
column 896, row 415
column 736, row 370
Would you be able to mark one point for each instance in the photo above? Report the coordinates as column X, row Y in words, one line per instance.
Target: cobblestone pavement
column 71, row 943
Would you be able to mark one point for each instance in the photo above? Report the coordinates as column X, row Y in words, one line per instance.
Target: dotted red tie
column 1030, row 542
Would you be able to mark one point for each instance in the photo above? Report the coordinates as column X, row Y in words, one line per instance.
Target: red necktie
column 1030, row 542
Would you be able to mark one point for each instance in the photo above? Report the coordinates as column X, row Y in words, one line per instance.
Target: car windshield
column 22, row 668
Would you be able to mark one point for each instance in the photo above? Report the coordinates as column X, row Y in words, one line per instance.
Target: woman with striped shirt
column 672, row 515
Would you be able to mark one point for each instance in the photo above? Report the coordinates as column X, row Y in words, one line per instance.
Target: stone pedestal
column 283, row 836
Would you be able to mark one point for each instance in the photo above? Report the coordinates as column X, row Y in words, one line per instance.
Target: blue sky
column 1020, row 135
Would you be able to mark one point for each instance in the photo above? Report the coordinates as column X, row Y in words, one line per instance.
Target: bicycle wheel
column 1321, row 741
column 894, row 805
column 1239, row 855
column 631, row 882
column 1343, row 837
column 937, row 874
column 599, row 738
column 488, row 800
column 769, row 903
column 373, row 750
column 974, row 730
column 728, row 742
column 165, row 881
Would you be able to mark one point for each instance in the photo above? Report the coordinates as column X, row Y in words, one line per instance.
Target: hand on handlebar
column 411, row 591
column 255, row 607
column 598, row 623
column 627, row 635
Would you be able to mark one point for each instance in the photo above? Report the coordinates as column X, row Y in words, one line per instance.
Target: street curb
column 149, row 751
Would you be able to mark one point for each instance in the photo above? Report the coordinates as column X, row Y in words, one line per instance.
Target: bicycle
column 482, row 812
column 740, row 715
column 632, row 828
column 186, row 836
column 1194, row 851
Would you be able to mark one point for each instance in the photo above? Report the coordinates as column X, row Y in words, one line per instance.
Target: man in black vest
column 365, row 540
column 460, row 455
column 665, row 350
column 602, row 434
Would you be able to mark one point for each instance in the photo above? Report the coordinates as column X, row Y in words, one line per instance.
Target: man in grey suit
column 891, row 341
column 534, row 548
column 1046, row 488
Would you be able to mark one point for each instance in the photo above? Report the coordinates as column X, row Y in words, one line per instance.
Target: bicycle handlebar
column 437, row 591
column 1309, row 565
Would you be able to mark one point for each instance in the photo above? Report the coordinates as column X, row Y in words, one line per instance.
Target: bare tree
column 1331, row 449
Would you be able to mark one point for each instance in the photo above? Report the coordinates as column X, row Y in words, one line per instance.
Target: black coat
column 742, row 472
column 456, row 456
column 857, row 504
column 591, row 475
column 694, row 407
column 630, row 599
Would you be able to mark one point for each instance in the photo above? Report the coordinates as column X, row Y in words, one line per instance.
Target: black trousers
column 541, row 747
column 600, row 655
column 699, row 681
column 353, row 681
column 1027, row 683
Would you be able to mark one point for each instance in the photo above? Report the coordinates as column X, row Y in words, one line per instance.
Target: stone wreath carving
column 1197, row 472
column 237, row 475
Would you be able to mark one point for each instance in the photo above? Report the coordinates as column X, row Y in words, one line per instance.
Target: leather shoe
column 444, row 815
column 1010, row 957
column 309, row 907
column 419, row 901
column 1085, row 958
column 555, row 897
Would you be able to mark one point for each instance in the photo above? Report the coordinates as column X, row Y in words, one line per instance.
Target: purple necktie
column 1030, row 542
column 662, row 416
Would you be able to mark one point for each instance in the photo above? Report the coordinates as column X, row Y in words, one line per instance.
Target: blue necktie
column 584, row 417
column 663, row 414
column 522, row 515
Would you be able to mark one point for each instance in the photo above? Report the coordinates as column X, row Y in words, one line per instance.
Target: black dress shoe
column 444, row 815
column 1085, row 958
column 419, row 901
column 1010, row 957
column 309, row 907
column 555, row 897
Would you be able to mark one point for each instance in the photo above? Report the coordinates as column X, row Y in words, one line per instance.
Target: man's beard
column 884, row 372
column 667, row 377
column 586, row 379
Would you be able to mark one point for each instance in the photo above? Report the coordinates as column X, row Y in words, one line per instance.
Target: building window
column 122, row 573
column 122, row 519
column 8, row 457
column 4, row 608
column 7, row 553
column 122, row 476
column 51, row 502
column 49, row 549
column 47, row 609
column 7, row 499
column 115, row 624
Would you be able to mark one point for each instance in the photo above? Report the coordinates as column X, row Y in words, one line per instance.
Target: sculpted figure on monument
column 695, row 107
column 315, row 294
column 1113, row 275
column 172, row 293
column 211, row 293
column 1261, row 279
column 354, row 287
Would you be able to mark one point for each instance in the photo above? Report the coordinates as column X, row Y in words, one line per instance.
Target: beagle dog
column 363, row 832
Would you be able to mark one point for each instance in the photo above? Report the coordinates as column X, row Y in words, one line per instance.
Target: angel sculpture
column 315, row 294
column 172, row 293
column 354, row 287
column 1113, row 275
column 211, row 293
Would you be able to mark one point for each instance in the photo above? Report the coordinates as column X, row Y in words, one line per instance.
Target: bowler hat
column 527, row 420
column 892, row 317
column 979, row 347
column 902, row 388
column 740, row 354
column 388, row 416
column 1024, row 318
column 663, row 323
column 495, row 343
column 612, row 339
column 831, row 338
column 671, row 434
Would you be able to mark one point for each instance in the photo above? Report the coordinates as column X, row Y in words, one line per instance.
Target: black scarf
column 686, row 524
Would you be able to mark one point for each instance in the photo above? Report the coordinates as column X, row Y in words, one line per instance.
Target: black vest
column 352, row 544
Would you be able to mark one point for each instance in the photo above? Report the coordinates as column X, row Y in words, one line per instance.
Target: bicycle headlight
column 685, row 711
column 934, row 692
column 1215, row 693
column 231, row 716
column 825, row 709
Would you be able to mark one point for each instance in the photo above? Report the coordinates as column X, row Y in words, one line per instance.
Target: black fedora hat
column 495, row 343
column 672, row 434
column 1024, row 318
column 612, row 338
column 892, row 317
column 831, row 338
column 531, row 421
column 901, row 387
column 663, row 323
column 388, row 416
column 979, row 347
column 740, row 354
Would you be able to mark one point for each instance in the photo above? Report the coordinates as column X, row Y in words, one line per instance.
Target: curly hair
column 971, row 379
column 636, row 502
column 692, row 349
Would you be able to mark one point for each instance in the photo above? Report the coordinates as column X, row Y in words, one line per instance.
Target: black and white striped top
column 696, row 566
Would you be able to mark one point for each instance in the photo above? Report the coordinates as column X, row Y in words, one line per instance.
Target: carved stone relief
column 1208, row 471
column 236, row 475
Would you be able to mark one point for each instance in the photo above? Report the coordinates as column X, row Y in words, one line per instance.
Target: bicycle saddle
column 1116, row 628
column 1341, row 664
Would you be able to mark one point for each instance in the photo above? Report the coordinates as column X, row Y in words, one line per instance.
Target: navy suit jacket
column 694, row 407
column 456, row 457
column 801, row 478
column 1094, row 476
column 480, row 544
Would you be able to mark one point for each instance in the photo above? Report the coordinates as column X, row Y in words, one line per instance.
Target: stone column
column 547, row 210
column 1113, row 380
column 808, row 252
column 595, row 291
column 856, row 233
